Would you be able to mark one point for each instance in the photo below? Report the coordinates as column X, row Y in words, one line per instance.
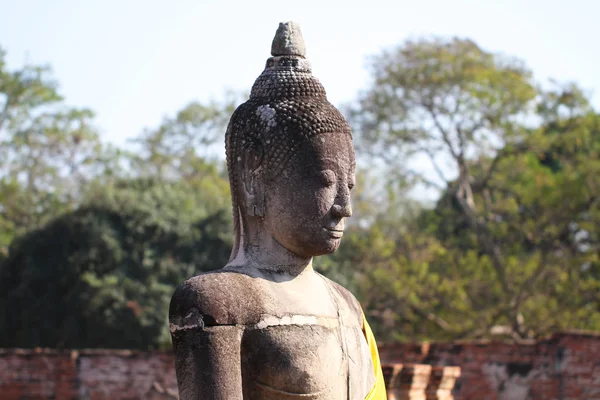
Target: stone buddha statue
column 267, row 325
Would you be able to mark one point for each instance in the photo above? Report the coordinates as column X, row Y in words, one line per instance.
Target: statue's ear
column 252, row 182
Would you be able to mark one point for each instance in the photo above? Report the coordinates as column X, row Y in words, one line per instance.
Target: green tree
column 504, row 250
column 179, row 147
column 47, row 150
column 99, row 269
column 103, row 275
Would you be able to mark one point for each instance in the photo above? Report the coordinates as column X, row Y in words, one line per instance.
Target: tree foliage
column 48, row 150
column 99, row 237
column 177, row 149
column 507, row 249
column 93, row 239
column 103, row 275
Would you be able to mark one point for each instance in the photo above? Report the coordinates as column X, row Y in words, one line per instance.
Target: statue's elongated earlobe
column 256, row 207
column 253, row 182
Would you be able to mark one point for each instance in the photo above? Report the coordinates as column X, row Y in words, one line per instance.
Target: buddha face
column 307, row 203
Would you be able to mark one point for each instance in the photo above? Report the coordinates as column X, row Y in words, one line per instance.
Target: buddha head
column 290, row 157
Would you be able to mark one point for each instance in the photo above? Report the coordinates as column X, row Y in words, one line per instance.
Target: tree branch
column 429, row 107
column 439, row 321
column 500, row 154
column 4, row 113
column 426, row 181
column 435, row 165
column 484, row 237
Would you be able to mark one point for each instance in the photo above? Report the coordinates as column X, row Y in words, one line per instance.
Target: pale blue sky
column 134, row 61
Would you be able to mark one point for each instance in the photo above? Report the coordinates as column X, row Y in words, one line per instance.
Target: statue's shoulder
column 348, row 298
column 220, row 297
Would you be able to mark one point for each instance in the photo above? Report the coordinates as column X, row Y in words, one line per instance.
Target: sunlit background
column 476, row 208
column 133, row 62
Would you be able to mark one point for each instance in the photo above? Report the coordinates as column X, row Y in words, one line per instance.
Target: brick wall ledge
column 563, row 366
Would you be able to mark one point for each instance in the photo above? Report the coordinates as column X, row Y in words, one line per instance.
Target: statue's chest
column 305, row 357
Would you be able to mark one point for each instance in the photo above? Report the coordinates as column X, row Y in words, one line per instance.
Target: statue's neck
column 260, row 251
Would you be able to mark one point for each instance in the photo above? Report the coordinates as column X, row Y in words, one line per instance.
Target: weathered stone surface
column 288, row 41
column 267, row 326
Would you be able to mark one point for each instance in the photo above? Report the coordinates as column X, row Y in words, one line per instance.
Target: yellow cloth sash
column 378, row 392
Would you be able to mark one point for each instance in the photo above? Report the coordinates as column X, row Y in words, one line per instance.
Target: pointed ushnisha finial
column 288, row 40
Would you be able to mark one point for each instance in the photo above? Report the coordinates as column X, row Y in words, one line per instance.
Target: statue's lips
column 334, row 233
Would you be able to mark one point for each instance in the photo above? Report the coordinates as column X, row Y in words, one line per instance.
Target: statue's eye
column 327, row 177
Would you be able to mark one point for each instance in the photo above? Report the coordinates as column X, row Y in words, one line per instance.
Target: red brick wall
column 87, row 374
column 566, row 366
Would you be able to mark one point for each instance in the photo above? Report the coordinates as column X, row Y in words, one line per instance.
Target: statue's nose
column 341, row 211
column 342, row 206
